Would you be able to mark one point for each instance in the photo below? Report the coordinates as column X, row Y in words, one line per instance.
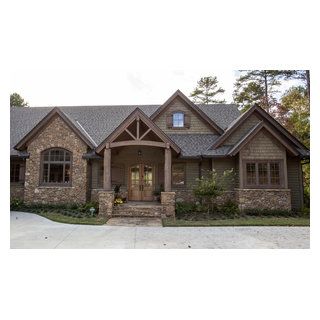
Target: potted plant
column 157, row 193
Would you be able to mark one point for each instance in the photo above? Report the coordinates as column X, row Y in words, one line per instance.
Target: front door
column 141, row 180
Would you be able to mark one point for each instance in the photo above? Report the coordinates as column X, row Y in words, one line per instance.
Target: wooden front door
column 141, row 181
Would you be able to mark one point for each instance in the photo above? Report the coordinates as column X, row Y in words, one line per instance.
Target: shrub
column 268, row 212
column 211, row 186
column 67, row 209
column 229, row 209
column 16, row 204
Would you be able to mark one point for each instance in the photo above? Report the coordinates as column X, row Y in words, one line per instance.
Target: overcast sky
column 54, row 87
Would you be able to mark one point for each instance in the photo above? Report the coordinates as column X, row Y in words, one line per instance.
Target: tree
column 206, row 91
column 258, row 86
column 212, row 185
column 17, row 101
column 303, row 75
column 295, row 113
column 295, row 108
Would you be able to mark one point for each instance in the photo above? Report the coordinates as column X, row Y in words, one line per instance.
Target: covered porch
column 138, row 157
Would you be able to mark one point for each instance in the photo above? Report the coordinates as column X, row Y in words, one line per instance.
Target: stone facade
column 258, row 199
column 168, row 201
column 106, row 199
column 138, row 210
column 56, row 135
column 17, row 191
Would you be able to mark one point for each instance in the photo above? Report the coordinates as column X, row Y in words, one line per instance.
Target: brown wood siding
column 294, row 182
column 242, row 130
column 197, row 125
column 263, row 146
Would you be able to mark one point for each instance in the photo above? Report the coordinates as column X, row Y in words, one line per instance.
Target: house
column 79, row 154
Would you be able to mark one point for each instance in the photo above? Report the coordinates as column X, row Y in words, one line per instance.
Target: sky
column 61, row 87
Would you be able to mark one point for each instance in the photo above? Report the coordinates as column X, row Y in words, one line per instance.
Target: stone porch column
column 107, row 169
column 167, row 169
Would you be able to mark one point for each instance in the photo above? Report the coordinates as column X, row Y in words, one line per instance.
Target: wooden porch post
column 107, row 168
column 167, row 169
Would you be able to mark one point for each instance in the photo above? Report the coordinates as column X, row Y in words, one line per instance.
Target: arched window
column 178, row 120
column 56, row 167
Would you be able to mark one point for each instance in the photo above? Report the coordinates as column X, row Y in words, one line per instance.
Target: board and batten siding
column 197, row 125
column 295, row 182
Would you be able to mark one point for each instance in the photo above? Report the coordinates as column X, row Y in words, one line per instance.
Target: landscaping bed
column 228, row 214
column 243, row 221
column 64, row 213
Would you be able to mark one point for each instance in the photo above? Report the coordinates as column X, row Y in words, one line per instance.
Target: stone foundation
column 106, row 199
column 168, row 201
column 259, row 199
column 17, row 191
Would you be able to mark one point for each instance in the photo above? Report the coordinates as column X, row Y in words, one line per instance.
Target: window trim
column 13, row 164
column 42, row 162
column 184, row 119
column 263, row 186
column 184, row 175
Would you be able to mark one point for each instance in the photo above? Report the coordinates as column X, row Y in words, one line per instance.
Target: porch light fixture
column 139, row 153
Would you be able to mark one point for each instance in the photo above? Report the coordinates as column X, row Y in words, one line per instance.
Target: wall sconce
column 139, row 153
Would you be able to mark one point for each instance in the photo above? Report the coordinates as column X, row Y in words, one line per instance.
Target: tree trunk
column 266, row 90
column 308, row 83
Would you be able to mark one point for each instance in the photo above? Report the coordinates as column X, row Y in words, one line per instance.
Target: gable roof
column 270, row 120
column 193, row 107
column 73, row 125
column 100, row 121
column 138, row 114
column 253, row 132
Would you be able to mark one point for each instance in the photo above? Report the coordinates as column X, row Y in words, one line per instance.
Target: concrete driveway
column 35, row 232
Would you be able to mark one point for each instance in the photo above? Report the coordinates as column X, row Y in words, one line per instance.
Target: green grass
column 245, row 221
column 58, row 217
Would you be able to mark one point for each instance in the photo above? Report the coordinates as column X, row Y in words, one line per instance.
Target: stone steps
column 138, row 210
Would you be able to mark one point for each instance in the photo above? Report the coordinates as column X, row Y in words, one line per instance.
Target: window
column 15, row 172
column 251, row 173
column 178, row 120
column 56, row 167
column 263, row 174
column 178, row 174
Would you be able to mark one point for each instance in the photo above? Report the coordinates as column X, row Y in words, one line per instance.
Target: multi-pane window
column 263, row 174
column 15, row 172
column 178, row 174
column 56, row 167
column 275, row 173
column 178, row 120
column 251, row 173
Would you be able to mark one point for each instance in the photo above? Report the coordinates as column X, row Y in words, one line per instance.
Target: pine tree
column 17, row 101
column 206, row 91
column 258, row 86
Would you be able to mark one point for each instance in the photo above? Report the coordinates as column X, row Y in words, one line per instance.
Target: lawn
column 58, row 217
column 243, row 221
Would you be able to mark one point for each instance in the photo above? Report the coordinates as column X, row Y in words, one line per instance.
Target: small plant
column 118, row 201
column 16, row 204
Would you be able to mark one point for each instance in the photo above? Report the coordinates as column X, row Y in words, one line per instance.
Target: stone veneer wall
column 271, row 199
column 56, row 135
column 168, row 202
column 188, row 196
column 17, row 191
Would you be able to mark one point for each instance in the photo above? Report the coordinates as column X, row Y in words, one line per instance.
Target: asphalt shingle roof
column 100, row 121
